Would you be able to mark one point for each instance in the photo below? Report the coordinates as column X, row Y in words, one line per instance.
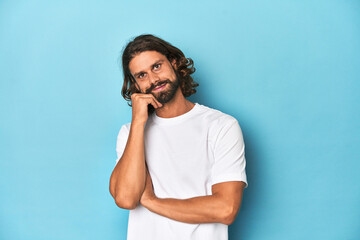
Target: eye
column 141, row 75
column 157, row 66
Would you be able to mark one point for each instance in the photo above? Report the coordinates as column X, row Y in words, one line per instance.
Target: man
column 181, row 165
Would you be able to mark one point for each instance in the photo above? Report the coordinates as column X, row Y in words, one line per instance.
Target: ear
column 173, row 63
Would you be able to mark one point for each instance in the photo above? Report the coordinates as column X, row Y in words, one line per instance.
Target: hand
column 148, row 193
column 140, row 102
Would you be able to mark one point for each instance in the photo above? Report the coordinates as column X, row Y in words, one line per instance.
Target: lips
column 160, row 87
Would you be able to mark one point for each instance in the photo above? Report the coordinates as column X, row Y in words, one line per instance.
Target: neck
column 177, row 106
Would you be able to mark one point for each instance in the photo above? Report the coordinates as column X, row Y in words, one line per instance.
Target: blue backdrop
column 287, row 70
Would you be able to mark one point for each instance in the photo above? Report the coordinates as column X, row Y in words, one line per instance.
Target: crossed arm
column 221, row 207
column 130, row 182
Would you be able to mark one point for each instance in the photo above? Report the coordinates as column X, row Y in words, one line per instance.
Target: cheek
column 143, row 86
column 169, row 75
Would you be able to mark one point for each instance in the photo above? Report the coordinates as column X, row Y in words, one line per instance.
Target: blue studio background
column 287, row 70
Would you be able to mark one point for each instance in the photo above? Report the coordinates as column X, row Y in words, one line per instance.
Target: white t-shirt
column 186, row 155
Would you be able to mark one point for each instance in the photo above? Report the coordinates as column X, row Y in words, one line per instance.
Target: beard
column 165, row 95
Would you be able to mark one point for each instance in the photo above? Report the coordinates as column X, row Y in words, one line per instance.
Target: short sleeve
column 229, row 154
column 121, row 141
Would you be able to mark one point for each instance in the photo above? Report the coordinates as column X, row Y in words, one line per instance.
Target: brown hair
column 148, row 42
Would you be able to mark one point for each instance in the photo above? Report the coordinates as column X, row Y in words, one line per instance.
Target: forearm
column 203, row 209
column 127, row 180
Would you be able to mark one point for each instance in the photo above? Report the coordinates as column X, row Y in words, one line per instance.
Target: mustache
column 158, row 84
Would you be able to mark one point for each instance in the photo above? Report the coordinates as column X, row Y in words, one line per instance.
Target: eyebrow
column 158, row 61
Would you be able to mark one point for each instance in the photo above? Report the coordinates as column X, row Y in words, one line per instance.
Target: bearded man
column 180, row 166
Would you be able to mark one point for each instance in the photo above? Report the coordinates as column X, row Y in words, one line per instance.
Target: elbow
column 125, row 204
column 123, row 197
column 228, row 221
column 121, row 200
column 229, row 215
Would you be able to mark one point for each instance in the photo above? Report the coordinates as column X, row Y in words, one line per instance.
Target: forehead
column 145, row 60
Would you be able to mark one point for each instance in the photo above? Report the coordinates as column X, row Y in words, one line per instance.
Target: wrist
column 138, row 123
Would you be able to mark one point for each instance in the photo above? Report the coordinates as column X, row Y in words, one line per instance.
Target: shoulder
column 222, row 127
column 217, row 118
column 124, row 129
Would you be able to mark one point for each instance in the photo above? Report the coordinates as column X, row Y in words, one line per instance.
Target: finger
column 149, row 95
column 150, row 99
column 148, row 178
column 155, row 103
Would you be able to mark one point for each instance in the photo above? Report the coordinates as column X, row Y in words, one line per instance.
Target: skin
column 130, row 181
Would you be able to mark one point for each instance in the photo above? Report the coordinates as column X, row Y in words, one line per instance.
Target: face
column 155, row 75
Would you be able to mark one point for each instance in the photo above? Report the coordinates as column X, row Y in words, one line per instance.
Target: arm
column 127, row 180
column 221, row 207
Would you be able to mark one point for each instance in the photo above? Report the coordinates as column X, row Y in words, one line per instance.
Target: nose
column 154, row 78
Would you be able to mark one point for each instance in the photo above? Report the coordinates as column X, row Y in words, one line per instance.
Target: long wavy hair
column 148, row 42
